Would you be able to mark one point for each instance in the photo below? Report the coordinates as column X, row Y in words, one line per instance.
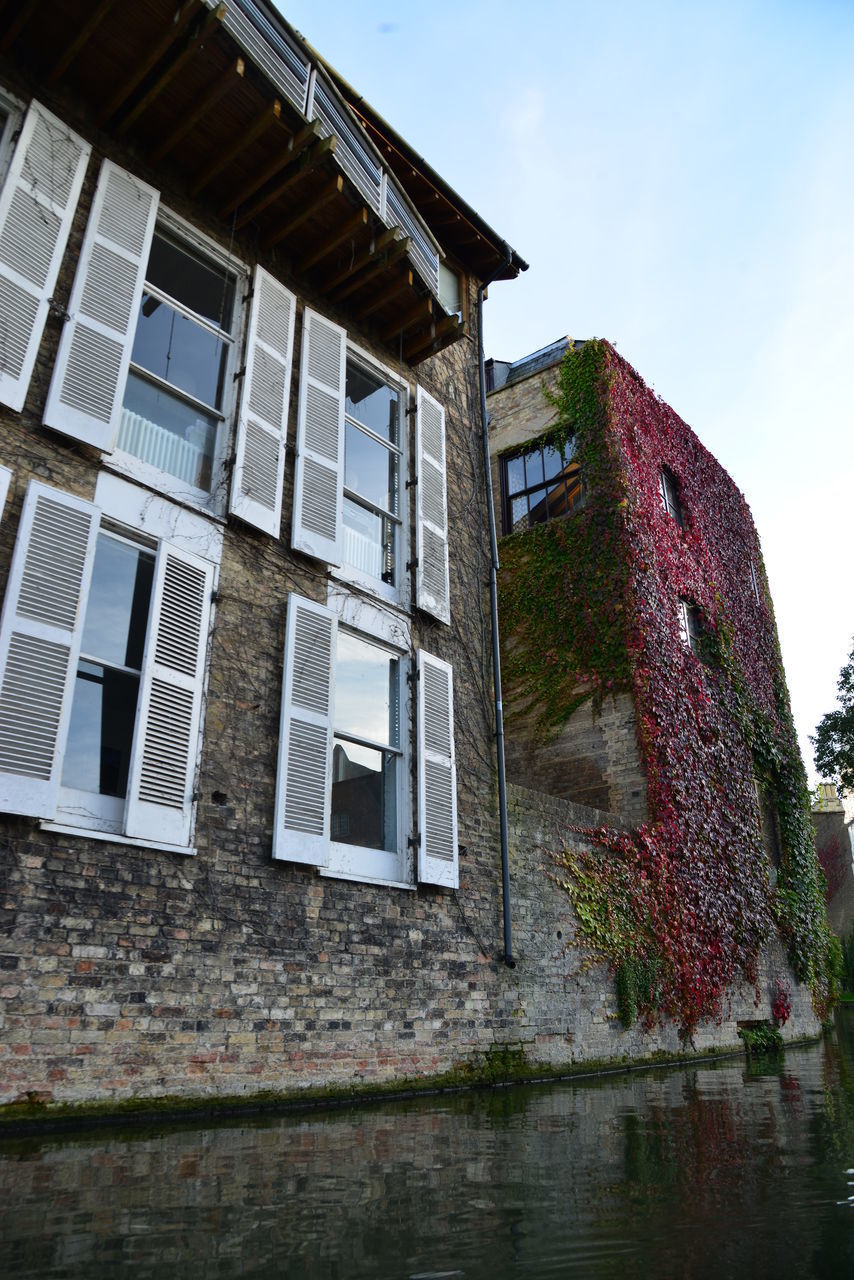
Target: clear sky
column 680, row 176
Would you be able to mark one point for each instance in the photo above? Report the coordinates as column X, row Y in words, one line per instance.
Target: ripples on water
column 717, row 1170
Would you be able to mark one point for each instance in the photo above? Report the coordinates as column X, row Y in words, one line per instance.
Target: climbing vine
column 682, row 906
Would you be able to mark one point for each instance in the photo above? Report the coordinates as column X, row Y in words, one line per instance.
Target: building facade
column 247, row 768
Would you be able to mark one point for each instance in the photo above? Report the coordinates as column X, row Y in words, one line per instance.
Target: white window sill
column 164, row 485
column 351, row 875
column 93, row 833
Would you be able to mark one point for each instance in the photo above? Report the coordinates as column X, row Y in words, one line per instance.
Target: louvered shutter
column 37, row 205
column 165, row 749
column 437, row 774
column 432, row 588
column 303, row 784
column 256, row 490
column 89, row 377
column 319, row 479
column 40, row 643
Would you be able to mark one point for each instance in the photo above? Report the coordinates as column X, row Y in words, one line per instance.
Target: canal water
column 719, row 1170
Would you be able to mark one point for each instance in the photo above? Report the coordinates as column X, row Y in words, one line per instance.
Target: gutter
column 493, row 604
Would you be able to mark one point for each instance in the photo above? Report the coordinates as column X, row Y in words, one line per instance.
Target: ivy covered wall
column 682, row 905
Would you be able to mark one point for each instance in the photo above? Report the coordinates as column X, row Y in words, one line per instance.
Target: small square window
column 668, row 488
column 539, row 484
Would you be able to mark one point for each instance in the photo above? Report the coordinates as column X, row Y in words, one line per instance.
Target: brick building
column 247, row 768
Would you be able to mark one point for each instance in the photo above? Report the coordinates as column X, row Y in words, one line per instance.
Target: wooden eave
column 208, row 126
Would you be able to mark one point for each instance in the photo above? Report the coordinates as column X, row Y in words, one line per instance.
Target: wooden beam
column 383, row 298
column 306, row 164
column 82, row 38
column 311, row 207
column 291, row 150
column 382, row 263
column 423, row 310
column 442, row 335
column 271, row 113
column 212, row 16
column 358, row 220
column 146, row 64
column 16, row 26
column 367, row 255
column 209, row 99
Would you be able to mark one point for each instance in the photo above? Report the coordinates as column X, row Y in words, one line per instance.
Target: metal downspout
column 493, row 602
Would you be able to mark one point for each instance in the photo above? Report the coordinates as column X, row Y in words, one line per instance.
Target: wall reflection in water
column 716, row 1170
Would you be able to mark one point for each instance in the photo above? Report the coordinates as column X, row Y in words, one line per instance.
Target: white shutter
column 432, row 588
column 89, row 377
column 259, row 467
column 304, row 779
column 319, row 479
column 6, row 480
column 165, row 748
column 37, row 205
column 437, row 774
column 40, row 643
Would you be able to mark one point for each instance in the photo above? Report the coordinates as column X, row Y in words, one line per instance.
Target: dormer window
column 668, row 488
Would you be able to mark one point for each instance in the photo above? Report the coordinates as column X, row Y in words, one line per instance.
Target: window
column 691, row 627
column 102, row 660
column 178, row 386
column 351, row 461
column 668, row 489
column 10, row 120
column 341, row 795
column 146, row 364
column 541, row 483
column 754, row 581
column 372, row 466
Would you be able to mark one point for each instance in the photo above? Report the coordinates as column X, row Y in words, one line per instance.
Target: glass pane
column 199, row 285
column 519, row 514
column 117, row 611
column 515, row 475
column 165, row 431
column 552, row 461
column 364, row 796
column 538, row 507
column 370, row 469
column 558, row 504
column 372, row 403
column 180, row 351
column 366, row 680
column 533, row 468
column 100, row 734
column 369, row 542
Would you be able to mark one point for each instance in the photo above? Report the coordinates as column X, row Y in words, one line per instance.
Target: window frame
column 668, row 492
column 214, row 502
column 14, row 110
column 131, row 513
column 691, row 627
column 507, row 498
column 376, row 626
column 392, row 593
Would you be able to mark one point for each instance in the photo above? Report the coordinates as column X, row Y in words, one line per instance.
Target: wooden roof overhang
column 176, row 84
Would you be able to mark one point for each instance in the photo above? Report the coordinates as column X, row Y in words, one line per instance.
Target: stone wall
column 132, row 974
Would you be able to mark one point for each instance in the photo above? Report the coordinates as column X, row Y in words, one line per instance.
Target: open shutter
column 40, row 644
column 432, row 588
column 303, row 783
column 437, row 774
column 37, row 205
column 319, row 479
column 165, row 749
column 259, row 467
column 89, row 377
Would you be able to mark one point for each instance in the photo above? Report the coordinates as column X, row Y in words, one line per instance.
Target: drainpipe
column 493, row 603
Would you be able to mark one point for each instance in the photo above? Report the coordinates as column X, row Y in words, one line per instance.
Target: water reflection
column 712, row 1171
